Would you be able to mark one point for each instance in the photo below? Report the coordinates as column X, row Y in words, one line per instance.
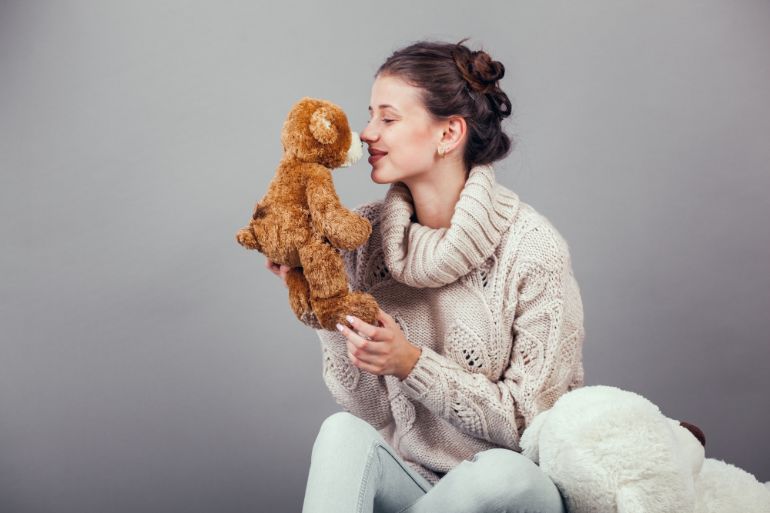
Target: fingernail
column 350, row 318
column 340, row 327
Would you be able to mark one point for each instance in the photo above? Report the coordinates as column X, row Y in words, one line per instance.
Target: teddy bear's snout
column 355, row 151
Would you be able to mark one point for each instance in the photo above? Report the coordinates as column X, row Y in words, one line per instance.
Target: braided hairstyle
column 454, row 80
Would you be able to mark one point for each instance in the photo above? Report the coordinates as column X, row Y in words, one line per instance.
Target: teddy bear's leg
column 330, row 295
column 323, row 268
column 363, row 306
column 330, row 311
column 324, row 271
column 299, row 292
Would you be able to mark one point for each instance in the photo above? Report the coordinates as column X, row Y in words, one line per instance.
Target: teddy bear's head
column 608, row 449
column 318, row 131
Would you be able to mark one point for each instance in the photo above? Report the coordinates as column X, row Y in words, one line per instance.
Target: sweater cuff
column 425, row 374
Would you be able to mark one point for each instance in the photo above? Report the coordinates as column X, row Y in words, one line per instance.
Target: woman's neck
column 436, row 193
column 423, row 256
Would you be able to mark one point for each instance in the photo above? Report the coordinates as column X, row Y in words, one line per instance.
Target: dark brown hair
column 454, row 80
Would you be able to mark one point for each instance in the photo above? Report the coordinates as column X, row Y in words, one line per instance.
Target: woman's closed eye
column 384, row 120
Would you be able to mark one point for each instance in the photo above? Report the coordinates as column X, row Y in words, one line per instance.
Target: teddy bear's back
column 287, row 189
column 282, row 222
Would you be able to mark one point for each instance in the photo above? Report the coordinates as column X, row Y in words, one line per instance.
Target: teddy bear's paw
column 331, row 311
column 349, row 231
column 363, row 306
column 246, row 238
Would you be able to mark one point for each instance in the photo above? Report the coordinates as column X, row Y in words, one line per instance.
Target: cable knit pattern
column 482, row 214
column 493, row 304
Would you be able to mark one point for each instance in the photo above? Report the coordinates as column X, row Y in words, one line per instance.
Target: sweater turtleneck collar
column 420, row 256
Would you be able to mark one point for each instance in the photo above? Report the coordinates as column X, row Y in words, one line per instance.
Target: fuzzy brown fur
column 301, row 223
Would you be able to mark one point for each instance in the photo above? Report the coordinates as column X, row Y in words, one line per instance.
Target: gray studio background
column 148, row 363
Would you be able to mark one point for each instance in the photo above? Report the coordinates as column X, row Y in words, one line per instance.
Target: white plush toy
column 610, row 450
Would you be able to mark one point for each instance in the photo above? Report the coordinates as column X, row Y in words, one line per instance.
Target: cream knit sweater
column 492, row 302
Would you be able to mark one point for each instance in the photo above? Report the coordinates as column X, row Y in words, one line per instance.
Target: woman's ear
column 454, row 132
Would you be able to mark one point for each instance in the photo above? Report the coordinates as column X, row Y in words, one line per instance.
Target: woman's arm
column 359, row 392
column 545, row 361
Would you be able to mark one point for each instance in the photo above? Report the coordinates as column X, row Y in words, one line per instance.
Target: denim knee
column 342, row 429
column 502, row 477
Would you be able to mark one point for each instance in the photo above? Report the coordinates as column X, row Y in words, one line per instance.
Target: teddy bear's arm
column 342, row 228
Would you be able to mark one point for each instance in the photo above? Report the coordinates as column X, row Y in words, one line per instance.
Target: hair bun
column 485, row 69
column 478, row 68
column 482, row 74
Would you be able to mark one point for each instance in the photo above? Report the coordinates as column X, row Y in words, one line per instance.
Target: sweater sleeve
column 545, row 360
column 361, row 393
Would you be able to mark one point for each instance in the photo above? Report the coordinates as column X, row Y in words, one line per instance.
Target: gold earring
column 441, row 150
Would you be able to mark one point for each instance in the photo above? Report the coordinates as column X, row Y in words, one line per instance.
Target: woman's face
column 402, row 128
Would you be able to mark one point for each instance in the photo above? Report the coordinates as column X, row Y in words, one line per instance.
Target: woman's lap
column 495, row 480
column 353, row 470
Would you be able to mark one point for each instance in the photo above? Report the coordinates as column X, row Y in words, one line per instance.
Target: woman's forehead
column 393, row 93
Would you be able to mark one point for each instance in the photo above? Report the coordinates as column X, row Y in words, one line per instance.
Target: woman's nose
column 364, row 134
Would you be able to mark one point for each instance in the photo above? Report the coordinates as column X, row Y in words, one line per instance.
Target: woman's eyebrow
column 384, row 106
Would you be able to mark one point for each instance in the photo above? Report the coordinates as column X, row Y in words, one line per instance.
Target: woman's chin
column 379, row 177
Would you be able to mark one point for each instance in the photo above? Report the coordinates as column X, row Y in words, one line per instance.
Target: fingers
column 279, row 270
column 275, row 268
column 361, row 347
column 361, row 364
column 367, row 330
column 384, row 318
column 272, row 266
column 359, row 355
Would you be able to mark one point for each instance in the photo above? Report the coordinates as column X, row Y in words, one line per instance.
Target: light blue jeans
column 353, row 470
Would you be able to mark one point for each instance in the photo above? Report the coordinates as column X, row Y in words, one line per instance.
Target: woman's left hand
column 380, row 349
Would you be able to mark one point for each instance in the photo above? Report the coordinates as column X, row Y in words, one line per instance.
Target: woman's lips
column 377, row 156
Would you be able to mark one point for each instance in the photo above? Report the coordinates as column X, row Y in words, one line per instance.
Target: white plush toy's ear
column 690, row 449
column 530, row 439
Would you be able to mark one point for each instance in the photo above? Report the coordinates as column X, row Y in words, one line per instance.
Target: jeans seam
column 365, row 478
column 407, row 470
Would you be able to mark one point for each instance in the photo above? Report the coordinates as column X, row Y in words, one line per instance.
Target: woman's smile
column 376, row 155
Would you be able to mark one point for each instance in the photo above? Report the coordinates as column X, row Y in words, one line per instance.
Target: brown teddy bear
column 301, row 223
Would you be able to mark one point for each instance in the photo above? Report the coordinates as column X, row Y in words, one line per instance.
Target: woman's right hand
column 279, row 270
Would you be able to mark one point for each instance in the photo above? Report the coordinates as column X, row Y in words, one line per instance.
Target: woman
column 481, row 321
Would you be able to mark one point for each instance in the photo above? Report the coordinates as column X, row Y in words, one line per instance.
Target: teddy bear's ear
column 321, row 126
